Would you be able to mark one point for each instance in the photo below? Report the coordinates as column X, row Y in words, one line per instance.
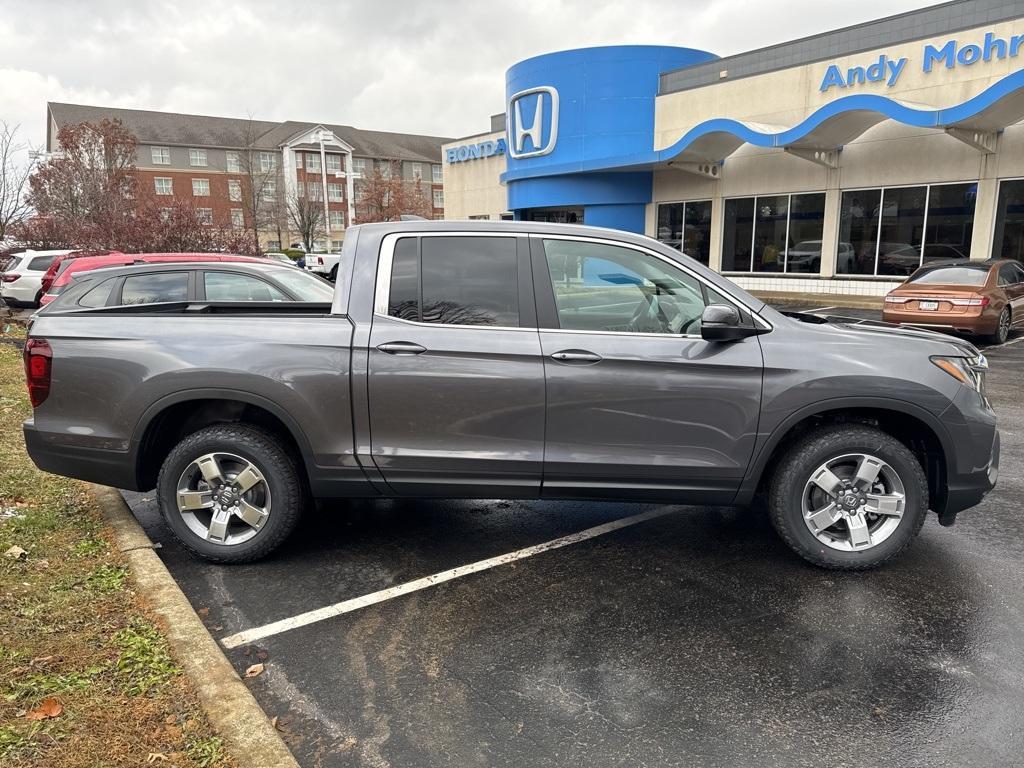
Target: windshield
column 952, row 275
column 305, row 286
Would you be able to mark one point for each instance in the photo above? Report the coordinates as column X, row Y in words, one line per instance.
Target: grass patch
column 73, row 629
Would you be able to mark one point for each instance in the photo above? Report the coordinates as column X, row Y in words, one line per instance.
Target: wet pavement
column 693, row 639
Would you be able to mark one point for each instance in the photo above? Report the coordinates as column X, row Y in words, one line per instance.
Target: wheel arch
column 170, row 419
column 917, row 428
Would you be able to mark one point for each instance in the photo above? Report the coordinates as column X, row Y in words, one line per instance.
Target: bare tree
column 14, row 175
column 307, row 218
column 261, row 183
column 386, row 197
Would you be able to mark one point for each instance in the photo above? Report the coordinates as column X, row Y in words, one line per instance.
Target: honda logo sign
column 532, row 121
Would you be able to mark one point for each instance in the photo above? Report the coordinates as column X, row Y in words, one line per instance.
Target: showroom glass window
column 687, row 227
column 773, row 233
column 1008, row 240
column 455, row 281
column 892, row 231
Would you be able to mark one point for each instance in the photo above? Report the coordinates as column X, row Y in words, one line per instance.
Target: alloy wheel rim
column 853, row 502
column 223, row 498
column 1004, row 324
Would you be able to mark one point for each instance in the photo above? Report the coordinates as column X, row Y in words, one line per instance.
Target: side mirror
column 722, row 322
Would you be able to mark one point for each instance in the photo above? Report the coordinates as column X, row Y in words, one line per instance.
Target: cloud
column 433, row 68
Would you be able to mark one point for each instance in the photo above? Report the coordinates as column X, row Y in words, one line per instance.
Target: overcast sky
column 419, row 67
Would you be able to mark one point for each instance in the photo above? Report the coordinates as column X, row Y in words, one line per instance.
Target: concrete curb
column 248, row 735
column 821, row 299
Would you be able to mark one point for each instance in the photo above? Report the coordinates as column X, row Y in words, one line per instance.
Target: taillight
column 9, row 277
column 38, row 365
column 980, row 301
column 47, row 284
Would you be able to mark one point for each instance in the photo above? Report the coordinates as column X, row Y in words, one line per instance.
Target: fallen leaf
column 154, row 756
column 203, row 612
column 49, row 708
column 171, row 719
column 254, row 670
column 41, row 660
column 262, row 655
column 16, row 553
column 273, row 721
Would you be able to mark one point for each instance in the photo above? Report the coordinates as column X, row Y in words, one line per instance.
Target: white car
column 281, row 258
column 22, row 280
column 323, row 264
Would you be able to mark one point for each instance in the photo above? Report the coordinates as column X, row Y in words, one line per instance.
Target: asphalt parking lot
column 692, row 638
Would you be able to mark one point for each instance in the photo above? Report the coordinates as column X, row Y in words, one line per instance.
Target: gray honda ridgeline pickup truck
column 510, row 360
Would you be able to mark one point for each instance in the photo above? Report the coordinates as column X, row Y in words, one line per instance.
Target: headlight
column 969, row 371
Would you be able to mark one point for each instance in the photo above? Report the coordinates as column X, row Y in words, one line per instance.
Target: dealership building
column 834, row 164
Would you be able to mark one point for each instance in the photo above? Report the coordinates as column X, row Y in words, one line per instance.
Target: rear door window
column 40, row 263
column 233, row 286
column 455, row 281
column 155, row 287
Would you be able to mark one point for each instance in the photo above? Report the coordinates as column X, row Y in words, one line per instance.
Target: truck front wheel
column 848, row 496
column 230, row 493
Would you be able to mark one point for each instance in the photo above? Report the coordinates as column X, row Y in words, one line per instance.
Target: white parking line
column 354, row 604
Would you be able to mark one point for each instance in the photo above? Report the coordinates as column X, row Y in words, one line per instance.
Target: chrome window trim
column 382, row 289
column 671, row 262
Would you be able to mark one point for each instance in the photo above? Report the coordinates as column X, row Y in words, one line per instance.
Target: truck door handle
column 401, row 348
column 577, row 356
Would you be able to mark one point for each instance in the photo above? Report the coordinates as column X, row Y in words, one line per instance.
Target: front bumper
column 973, row 469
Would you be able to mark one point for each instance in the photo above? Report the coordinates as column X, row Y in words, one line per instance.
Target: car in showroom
column 22, row 279
column 980, row 298
column 492, row 359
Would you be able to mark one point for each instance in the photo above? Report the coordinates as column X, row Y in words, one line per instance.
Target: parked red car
column 68, row 268
column 51, row 273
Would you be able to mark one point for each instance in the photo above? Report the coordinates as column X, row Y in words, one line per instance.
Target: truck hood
column 881, row 331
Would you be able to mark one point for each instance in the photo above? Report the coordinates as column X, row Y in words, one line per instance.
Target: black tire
column 281, row 474
column 791, row 475
column 1002, row 327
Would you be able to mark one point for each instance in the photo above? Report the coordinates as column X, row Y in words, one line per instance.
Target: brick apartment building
column 209, row 160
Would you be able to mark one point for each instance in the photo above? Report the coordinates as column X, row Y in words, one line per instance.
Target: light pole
column 321, row 134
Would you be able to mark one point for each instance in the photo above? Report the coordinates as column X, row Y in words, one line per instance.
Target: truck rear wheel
column 848, row 497
column 230, row 493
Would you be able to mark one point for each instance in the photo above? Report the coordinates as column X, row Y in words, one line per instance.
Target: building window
column 359, row 166
column 336, row 245
column 273, row 244
column 417, row 171
column 439, row 198
column 1008, row 239
column 316, row 191
column 237, row 218
column 197, row 158
column 201, row 187
column 234, row 162
column 437, row 175
column 761, row 233
column 160, row 155
column 205, row 215
column 312, row 163
column 687, row 227
column 320, row 246
column 163, row 186
column 270, row 189
column 165, row 214
column 480, row 217
column 335, row 193
column 892, row 231
column 298, row 159
column 235, row 190
column 334, row 163
column 337, row 220
column 385, row 168
column 268, row 162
